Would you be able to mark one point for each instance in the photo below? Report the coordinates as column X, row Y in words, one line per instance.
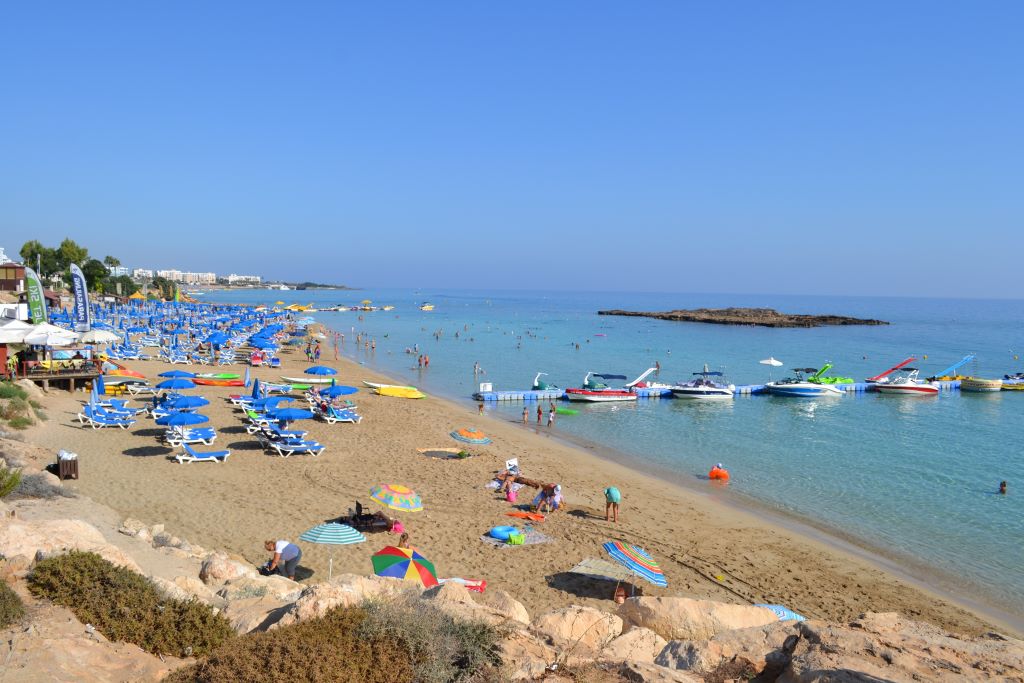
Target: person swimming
column 1002, row 488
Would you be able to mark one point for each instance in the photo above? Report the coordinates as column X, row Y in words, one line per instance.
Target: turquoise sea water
column 913, row 478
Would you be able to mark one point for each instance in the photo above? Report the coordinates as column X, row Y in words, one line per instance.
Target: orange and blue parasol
column 397, row 497
column 470, row 435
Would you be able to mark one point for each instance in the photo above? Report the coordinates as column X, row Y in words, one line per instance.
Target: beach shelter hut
column 332, row 533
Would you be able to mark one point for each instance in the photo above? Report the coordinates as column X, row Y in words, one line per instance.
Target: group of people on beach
column 540, row 415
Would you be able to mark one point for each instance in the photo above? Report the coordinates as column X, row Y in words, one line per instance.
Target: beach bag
column 511, row 496
column 516, row 539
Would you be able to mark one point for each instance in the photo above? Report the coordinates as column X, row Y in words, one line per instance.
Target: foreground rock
column 875, row 647
column 689, row 619
column 44, row 538
column 345, row 590
column 761, row 317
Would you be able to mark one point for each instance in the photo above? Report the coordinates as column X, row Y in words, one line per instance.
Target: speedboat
column 882, row 378
column 799, row 387
column 907, row 383
column 595, row 391
column 706, row 384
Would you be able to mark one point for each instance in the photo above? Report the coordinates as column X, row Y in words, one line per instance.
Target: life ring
column 719, row 474
column 502, row 532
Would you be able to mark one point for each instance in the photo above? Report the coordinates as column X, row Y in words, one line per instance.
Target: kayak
column 219, row 375
column 301, row 387
column 311, row 379
column 566, row 411
column 400, row 392
column 210, row 382
column 375, row 385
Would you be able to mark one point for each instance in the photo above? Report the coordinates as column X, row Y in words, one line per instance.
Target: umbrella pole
column 330, row 566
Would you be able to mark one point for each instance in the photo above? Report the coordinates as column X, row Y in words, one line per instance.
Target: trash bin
column 67, row 465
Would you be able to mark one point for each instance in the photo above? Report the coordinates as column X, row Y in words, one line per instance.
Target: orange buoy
column 718, row 473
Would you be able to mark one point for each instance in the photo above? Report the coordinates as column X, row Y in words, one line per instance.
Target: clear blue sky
column 813, row 147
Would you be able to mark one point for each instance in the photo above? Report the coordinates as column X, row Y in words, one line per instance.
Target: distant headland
column 761, row 317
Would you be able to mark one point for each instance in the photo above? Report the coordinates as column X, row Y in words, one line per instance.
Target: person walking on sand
column 286, row 558
column 316, row 354
column 612, row 497
column 481, row 411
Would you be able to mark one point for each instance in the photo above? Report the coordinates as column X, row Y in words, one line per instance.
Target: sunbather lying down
column 509, row 477
column 363, row 521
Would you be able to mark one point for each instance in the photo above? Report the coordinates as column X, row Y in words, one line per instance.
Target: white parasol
column 771, row 362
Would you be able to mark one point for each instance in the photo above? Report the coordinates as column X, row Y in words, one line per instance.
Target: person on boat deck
column 286, row 557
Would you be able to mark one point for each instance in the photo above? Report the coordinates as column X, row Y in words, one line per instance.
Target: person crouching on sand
column 286, row 558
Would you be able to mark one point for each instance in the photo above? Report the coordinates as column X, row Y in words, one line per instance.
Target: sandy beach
column 706, row 549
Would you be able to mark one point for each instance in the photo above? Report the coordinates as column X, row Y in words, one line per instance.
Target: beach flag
column 82, row 314
column 36, row 300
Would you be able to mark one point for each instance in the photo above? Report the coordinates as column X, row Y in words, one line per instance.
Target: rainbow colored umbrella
column 470, row 435
column 406, row 564
column 637, row 561
column 397, row 497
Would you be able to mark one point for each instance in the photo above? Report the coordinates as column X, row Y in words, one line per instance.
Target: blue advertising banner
column 82, row 316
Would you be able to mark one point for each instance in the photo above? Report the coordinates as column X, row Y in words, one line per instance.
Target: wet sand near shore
column 706, row 549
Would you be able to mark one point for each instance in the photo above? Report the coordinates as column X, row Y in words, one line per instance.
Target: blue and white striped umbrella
column 636, row 560
column 332, row 533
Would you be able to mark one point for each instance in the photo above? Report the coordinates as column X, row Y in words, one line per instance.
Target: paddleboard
column 210, row 382
column 375, row 385
column 311, row 379
column 219, row 375
column 400, row 392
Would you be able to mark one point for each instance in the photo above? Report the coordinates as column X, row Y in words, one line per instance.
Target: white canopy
column 98, row 337
column 13, row 331
column 45, row 334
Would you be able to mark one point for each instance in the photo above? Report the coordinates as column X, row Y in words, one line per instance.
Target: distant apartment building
column 142, row 274
column 199, row 278
column 3, row 257
column 118, row 271
column 243, row 279
column 172, row 275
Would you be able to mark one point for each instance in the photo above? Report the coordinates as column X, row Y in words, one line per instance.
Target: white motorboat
column 907, row 384
column 704, row 385
column 799, row 387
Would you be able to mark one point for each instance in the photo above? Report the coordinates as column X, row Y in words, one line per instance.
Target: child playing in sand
column 612, row 497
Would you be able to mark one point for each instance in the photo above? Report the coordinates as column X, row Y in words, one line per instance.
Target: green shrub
column 14, row 407
column 441, row 647
column 12, row 390
column 39, row 486
column 9, row 480
column 11, row 607
column 383, row 642
column 126, row 606
column 20, row 422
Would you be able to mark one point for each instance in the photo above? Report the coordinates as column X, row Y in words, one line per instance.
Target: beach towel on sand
column 530, row 537
column 532, row 516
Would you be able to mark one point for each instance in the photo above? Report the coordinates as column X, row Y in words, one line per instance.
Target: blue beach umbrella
column 188, row 403
column 181, row 419
column 177, row 373
column 100, row 386
column 320, row 370
column 270, row 402
column 256, row 388
column 332, row 533
column 338, row 390
column 247, row 379
column 176, row 383
column 290, row 414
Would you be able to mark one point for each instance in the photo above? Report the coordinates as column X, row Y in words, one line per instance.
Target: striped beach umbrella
column 470, row 435
column 406, row 564
column 397, row 497
column 637, row 561
column 332, row 533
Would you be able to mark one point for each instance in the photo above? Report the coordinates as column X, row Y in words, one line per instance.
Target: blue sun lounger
column 192, row 455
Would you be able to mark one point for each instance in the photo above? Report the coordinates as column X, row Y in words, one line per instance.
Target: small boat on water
column 426, row 306
column 980, row 384
column 799, row 387
column 884, row 377
column 907, row 383
column 705, row 385
column 594, row 391
column 541, row 385
column 1013, row 382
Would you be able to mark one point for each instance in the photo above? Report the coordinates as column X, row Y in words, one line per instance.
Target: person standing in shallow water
column 1002, row 488
column 540, row 415
column 526, row 415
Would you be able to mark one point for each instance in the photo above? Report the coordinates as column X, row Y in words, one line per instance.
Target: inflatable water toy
column 567, row 411
column 502, row 532
column 718, row 473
